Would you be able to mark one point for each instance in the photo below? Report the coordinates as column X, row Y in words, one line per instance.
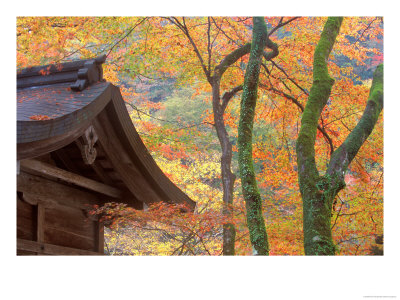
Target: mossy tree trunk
column 318, row 192
column 220, row 104
column 255, row 220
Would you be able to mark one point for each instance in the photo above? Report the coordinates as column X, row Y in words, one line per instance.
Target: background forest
column 182, row 80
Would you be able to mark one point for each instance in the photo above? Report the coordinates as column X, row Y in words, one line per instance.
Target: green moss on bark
column 344, row 155
column 255, row 220
column 315, row 191
column 318, row 192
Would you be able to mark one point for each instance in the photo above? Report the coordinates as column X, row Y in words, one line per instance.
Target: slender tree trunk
column 318, row 192
column 228, row 178
column 255, row 220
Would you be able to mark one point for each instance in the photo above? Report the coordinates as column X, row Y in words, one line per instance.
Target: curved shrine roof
column 57, row 104
column 47, row 111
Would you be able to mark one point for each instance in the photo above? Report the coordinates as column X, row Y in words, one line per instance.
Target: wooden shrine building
column 76, row 145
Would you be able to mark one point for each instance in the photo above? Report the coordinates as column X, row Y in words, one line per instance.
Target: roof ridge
column 81, row 73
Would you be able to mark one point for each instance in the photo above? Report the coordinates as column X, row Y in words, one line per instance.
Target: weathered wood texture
column 27, row 247
column 122, row 163
column 140, row 156
column 99, row 237
column 54, row 214
column 49, row 170
column 26, row 220
column 86, row 152
column 79, row 74
column 63, row 110
column 40, row 222
column 54, row 192
column 37, row 148
column 71, row 114
column 69, row 227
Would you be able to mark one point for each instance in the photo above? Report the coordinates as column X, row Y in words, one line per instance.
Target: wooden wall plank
column 24, row 209
column 44, row 248
column 55, row 222
column 24, row 233
column 40, row 226
column 59, row 237
column 70, row 220
column 26, row 220
column 23, row 252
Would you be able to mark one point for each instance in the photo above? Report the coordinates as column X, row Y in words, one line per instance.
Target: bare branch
column 209, row 43
column 229, row 95
column 301, row 107
column 366, row 29
column 280, row 24
column 223, row 32
column 182, row 26
column 125, row 35
column 356, row 238
column 290, row 79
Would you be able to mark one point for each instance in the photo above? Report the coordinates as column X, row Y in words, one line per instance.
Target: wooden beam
column 43, row 248
column 54, row 172
column 35, row 200
column 37, row 189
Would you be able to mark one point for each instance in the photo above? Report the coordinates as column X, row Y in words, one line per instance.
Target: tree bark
column 228, row 178
column 255, row 220
column 318, row 192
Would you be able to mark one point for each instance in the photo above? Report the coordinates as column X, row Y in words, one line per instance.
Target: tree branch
column 290, row 79
column 182, row 26
column 245, row 49
column 209, row 43
column 229, row 95
column 344, row 155
column 301, row 107
column 223, row 32
column 274, row 47
column 362, row 33
column 128, row 33
column 231, row 58
column 280, row 24
column 356, row 238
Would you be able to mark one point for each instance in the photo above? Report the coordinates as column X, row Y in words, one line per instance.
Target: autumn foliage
column 168, row 98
